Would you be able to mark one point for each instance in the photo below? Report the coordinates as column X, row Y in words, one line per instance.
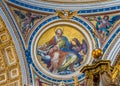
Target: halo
column 59, row 27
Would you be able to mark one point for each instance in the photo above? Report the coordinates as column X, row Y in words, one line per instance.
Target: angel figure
column 105, row 23
column 27, row 20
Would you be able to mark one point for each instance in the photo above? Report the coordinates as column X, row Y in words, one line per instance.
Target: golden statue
column 66, row 14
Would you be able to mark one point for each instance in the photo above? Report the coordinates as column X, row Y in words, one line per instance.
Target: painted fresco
column 61, row 51
column 104, row 25
column 26, row 20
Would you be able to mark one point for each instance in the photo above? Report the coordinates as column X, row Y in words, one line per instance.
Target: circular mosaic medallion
column 61, row 49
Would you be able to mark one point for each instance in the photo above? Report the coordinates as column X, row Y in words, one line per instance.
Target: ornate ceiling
column 70, row 1
column 71, row 6
column 10, row 71
column 45, row 57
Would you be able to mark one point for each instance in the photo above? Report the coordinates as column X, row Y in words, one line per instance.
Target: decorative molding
column 111, row 48
column 12, row 59
column 83, row 8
